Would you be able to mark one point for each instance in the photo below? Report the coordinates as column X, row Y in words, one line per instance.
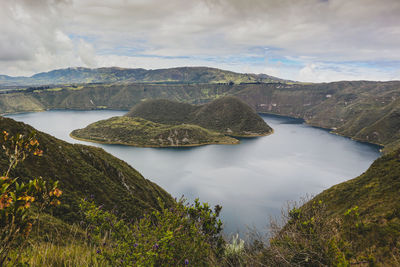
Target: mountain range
column 126, row 75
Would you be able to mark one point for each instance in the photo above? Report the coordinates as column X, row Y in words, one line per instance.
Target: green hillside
column 227, row 115
column 140, row 132
column 376, row 196
column 85, row 171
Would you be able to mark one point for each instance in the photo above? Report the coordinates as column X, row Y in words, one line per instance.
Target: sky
column 302, row 40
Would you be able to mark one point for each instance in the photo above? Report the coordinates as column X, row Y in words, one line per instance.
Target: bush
column 178, row 236
column 17, row 200
column 306, row 238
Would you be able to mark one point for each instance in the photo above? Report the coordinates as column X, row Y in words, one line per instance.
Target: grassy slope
column 84, row 171
column 228, row 115
column 140, row 132
column 376, row 193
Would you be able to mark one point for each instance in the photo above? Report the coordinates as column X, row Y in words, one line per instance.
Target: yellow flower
column 38, row 152
column 5, row 201
column 56, row 192
column 55, row 202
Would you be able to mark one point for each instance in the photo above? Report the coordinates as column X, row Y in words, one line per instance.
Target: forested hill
column 118, row 75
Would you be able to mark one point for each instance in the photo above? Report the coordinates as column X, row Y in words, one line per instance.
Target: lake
column 252, row 181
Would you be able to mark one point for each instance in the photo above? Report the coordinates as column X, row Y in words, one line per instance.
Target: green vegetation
column 353, row 223
column 227, row 115
column 17, row 199
column 170, row 237
column 83, row 171
column 173, row 234
column 140, row 132
column 161, row 123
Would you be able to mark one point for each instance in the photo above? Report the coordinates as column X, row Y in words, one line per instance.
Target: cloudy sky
column 305, row 40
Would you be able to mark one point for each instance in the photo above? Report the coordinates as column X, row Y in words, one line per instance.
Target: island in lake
column 166, row 123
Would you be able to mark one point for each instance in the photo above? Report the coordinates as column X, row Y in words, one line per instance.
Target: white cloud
column 44, row 34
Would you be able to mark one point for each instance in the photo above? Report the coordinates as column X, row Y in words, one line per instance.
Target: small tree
column 19, row 199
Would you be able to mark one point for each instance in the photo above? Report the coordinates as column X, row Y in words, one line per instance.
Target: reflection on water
column 252, row 181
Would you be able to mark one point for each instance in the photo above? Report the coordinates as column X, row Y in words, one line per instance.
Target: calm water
column 252, row 181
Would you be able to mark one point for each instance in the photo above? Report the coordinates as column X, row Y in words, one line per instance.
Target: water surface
column 252, row 180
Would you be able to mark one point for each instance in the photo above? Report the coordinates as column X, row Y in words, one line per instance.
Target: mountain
column 118, row 75
column 228, row 115
column 161, row 123
column 85, row 171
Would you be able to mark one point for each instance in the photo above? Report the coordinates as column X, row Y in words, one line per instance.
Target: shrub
column 17, row 200
column 178, row 236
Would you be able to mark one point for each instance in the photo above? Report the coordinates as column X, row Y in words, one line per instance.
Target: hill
column 85, row 171
column 140, row 132
column 375, row 200
column 227, row 115
column 118, row 75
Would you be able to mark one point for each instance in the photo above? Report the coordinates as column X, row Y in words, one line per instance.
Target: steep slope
column 228, row 115
column 376, row 194
column 140, row 132
column 85, row 171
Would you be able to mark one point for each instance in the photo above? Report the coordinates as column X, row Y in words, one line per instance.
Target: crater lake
column 252, row 181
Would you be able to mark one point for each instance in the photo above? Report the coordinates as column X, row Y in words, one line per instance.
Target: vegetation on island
column 162, row 123
column 227, row 115
column 140, row 132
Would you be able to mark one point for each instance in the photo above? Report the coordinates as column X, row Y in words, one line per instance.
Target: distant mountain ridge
column 138, row 75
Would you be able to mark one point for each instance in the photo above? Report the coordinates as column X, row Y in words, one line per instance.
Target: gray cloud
column 44, row 34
